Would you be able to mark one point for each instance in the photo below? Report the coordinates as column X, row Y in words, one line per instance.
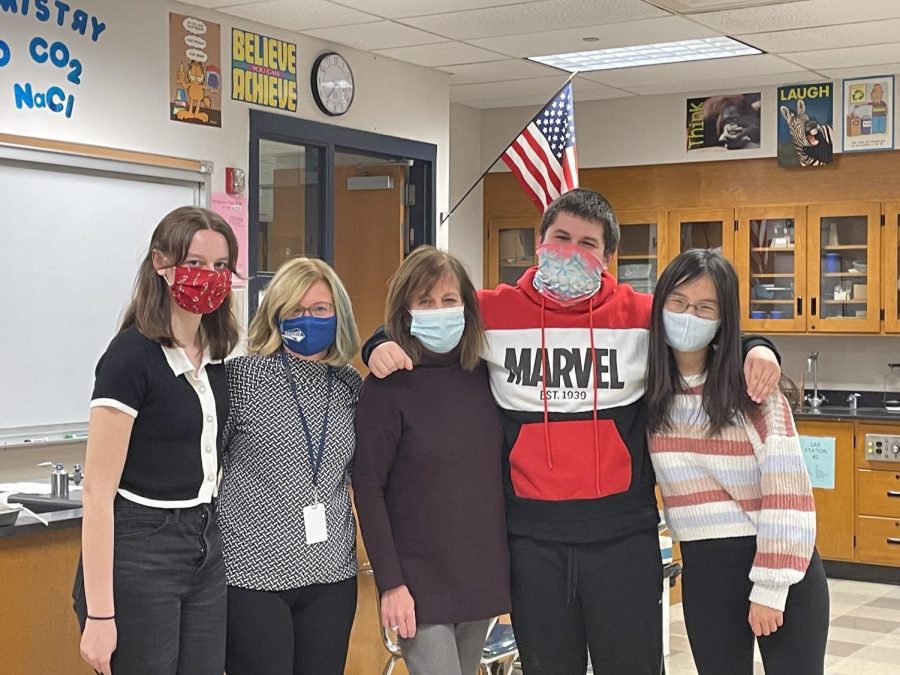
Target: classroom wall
column 464, row 229
column 122, row 100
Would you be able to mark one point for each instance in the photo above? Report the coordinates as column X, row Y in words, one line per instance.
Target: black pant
column 302, row 631
column 169, row 589
column 568, row 598
column 716, row 596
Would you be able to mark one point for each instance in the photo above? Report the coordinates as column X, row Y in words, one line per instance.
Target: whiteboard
column 72, row 234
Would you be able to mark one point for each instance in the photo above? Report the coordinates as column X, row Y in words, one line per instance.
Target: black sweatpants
column 302, row 631
column 716, row 596
column 603, row 597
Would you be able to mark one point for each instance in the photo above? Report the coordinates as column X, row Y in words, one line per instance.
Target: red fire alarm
column 234, row 180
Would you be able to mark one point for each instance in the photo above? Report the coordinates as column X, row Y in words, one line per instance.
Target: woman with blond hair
column 284, row 507
column 427, row 479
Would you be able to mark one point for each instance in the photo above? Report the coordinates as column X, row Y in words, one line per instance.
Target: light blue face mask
column 439, row 330
column 688, row 333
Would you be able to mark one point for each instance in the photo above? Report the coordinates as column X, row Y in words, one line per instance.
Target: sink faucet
column 853, row 400
column 812, row 365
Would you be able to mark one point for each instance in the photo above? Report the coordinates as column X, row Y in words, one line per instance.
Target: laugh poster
column 805, row 119
column 195, row 71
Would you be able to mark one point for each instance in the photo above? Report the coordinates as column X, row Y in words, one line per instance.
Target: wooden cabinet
column 642, row 249
column 810, row 269
column 770, row 259
column 834, row 508
column 890, row 275
column 701, row 228
column 510, row 247
column 877, row 498
column 844, row 267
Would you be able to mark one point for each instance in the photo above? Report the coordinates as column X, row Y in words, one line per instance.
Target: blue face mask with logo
column 439, row 330
column 307, row 335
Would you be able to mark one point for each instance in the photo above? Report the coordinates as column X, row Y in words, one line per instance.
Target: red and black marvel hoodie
column 576, row 466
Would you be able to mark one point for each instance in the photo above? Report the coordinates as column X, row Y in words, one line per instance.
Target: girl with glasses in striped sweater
column 734, row 484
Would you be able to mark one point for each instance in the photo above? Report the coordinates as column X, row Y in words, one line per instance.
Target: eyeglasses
column 705, row 310
column 320, row 310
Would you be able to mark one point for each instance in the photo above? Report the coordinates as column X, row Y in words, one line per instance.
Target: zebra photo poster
column 868, row 114
column 729, row 122
column 805, row 119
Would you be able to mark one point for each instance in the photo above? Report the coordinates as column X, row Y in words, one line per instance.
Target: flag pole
column 446, row 217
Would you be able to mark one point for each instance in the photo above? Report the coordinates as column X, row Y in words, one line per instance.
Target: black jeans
column 169, row 590
column 603, row 597
column 716, row 596
column 301, row 631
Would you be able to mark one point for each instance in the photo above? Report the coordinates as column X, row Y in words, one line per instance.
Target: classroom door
column 370, row 230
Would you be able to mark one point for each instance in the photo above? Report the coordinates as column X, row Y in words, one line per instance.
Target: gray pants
column 445, row 648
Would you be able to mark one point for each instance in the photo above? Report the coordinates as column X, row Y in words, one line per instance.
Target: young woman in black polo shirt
column 152, row 595
column 288, row 530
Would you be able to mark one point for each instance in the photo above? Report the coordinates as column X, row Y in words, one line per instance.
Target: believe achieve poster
column 805, row 117
column 263, row 70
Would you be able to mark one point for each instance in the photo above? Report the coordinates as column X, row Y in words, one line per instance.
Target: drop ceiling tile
column 537, row 100
column 694, row 6
column 693, row 71
column 806, row 14
column 397, row 9
column 498, row 71
column 220, row 3
column 440, row 54
column 824, row 37
column 724, row 85
column 848, row 57
column 541, row 86
column 377, row 35
column 625, row 34
column 303, row 15
column 861, row 71
column 533, row 17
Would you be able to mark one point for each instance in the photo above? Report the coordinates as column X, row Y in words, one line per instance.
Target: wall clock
column 332, row 83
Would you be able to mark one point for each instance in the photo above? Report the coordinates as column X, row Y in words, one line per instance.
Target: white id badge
column 314, row 520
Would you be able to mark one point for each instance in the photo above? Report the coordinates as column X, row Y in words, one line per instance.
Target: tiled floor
column 863, row 639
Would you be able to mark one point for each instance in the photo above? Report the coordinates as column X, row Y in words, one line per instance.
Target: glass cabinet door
column 890, row 282
column 771, row 267
column 641, row 248
column 701, row 228
column 844, row 267
column 511, row 249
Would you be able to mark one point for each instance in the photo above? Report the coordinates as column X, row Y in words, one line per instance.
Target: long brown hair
column 420, row 272
column 150, row 310
column 725, row 391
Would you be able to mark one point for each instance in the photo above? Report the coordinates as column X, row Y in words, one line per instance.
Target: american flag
column 543, row 156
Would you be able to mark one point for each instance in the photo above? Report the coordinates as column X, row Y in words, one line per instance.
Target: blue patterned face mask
column 567, row 274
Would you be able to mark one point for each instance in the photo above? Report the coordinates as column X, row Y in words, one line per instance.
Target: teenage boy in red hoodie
column 580, row 504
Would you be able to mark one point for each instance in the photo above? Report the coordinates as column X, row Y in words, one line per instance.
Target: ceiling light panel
column 701, row 49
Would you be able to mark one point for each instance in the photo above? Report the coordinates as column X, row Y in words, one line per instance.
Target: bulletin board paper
column 233, row 208
column 818, row 453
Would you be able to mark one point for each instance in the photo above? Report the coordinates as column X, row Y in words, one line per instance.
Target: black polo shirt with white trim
column 174, row 451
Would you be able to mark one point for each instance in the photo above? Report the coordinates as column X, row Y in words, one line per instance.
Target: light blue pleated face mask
column 688, row 333
column 439, row 330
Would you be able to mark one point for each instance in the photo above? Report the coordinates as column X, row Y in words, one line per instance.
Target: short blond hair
column 290, row 283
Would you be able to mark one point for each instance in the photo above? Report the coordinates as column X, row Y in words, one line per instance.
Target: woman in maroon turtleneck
column 426, row 478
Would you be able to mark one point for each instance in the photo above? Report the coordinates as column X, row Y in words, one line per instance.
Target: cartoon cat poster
column 195, row 71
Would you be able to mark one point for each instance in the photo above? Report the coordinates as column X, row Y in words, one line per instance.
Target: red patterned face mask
column 200, row 291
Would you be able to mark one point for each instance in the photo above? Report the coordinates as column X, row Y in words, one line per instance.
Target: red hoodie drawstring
column 596, row 424
column 544, row 371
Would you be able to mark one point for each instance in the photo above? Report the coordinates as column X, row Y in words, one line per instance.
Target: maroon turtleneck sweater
column 428, row 489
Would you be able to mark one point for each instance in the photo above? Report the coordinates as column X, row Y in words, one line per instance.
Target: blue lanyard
column 315, row 461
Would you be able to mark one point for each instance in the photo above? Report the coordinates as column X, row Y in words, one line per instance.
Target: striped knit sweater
column 748, row 480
